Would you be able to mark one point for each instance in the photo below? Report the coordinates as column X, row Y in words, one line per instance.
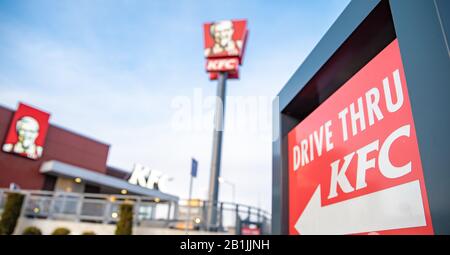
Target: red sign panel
column 354, row 163
column 224, row 39
column 27, row 132
column 224, row 47
column 250, row 231
column 231, row 75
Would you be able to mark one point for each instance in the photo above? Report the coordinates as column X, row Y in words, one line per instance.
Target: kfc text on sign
column 354, row 164
column 147, row 178
column 222, row 65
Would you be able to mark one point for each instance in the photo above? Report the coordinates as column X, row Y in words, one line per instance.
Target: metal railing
column 229, row 216
column 104, row 209
column 96, row 208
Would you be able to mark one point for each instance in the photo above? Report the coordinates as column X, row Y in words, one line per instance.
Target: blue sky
column 114, row 70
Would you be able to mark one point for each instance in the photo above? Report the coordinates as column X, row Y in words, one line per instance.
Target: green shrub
column 88, row 233
column 125, row 223
column 11, row 213
column 32, row 231
column 61, row 232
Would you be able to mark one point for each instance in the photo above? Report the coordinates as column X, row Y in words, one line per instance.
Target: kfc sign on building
column 224, row 47
column 145, row 177
column 27, row 132
column 354, row 163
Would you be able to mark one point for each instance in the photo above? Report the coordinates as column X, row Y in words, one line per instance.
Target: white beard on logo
column 231, row 48
column 32, row 151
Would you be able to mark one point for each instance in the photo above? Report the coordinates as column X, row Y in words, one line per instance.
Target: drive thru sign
column 354, row 163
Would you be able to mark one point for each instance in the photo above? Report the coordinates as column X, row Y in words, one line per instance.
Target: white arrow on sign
column 393, row 208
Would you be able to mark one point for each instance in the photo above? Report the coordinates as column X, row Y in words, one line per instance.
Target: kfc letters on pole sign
column 222, row 65
column 354, row 163
column 224, row 47
column 27, row 132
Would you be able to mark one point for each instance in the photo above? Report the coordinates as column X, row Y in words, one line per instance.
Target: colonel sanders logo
column 224, row 47
column 222, row 33
column 224, row 38
column 27, row 132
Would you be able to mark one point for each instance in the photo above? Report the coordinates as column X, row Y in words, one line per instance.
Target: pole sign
column 354, row 163
column 224, row 47
column 27, row 132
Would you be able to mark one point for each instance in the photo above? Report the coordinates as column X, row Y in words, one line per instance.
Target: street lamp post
column 233, row 195
column 233, row 188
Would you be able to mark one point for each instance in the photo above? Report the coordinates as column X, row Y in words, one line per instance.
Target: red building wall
column 60, row 144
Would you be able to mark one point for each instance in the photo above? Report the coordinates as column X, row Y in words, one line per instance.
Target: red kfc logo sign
column 222, row 65
column 224, row 46
column 354, row 163
column 27, row 132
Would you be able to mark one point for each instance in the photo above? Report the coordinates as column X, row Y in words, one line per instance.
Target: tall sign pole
column 217, row 149
column 224, row 48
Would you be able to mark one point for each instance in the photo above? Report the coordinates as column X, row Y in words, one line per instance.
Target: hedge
column 11, row 213
column 31, row 231
column 61, row 232
column 125, row 224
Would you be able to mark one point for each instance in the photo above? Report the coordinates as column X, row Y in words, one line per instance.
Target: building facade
column 70, row 162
